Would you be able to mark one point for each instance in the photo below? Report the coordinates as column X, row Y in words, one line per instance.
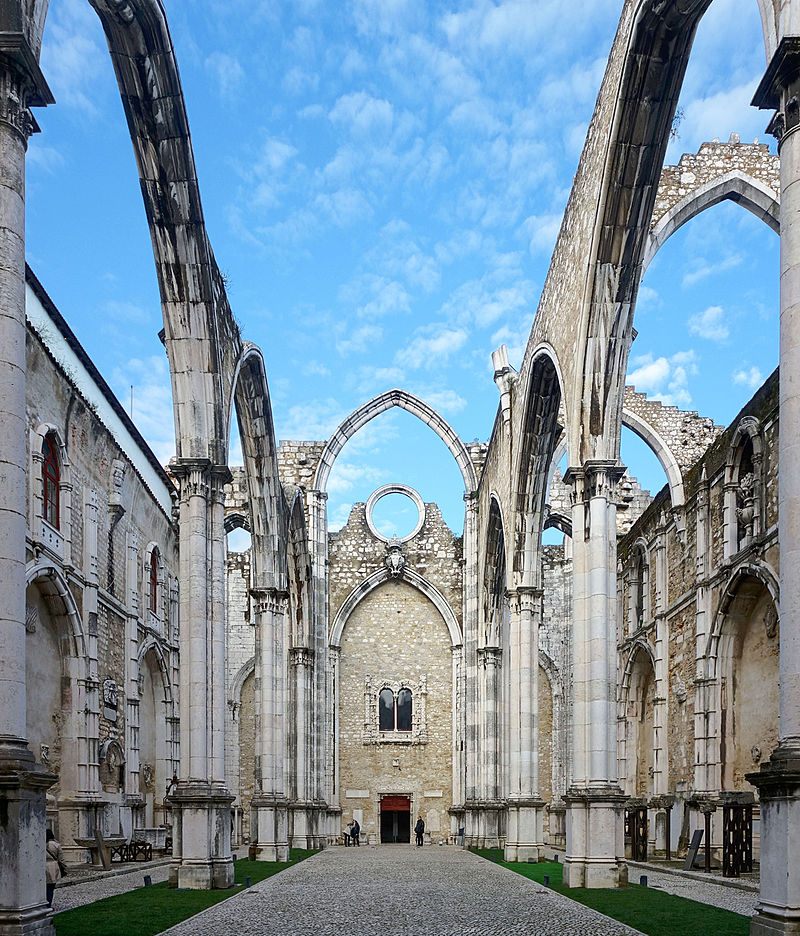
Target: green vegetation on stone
column 646, row 909
column 150, row 910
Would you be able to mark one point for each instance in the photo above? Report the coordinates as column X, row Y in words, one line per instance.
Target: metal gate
column 636, row 830
column 737, row 839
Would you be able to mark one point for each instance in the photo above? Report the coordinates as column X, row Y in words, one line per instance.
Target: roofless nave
column 464, row 721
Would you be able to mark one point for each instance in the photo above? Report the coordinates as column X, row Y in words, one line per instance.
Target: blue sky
column 383, row 182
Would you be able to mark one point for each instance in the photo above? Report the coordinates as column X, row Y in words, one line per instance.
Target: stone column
column 301, row 668
column 269, row 832
column 490, row 805
column 23, row 783
column 525, row 838
column 201, row 802
column 595, row 845
column 778, row 781
column 471, row 712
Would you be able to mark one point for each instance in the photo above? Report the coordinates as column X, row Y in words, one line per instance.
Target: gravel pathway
column 399, row 890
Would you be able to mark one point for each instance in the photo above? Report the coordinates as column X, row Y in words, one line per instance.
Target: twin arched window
column 51, row 479
column 394, row 712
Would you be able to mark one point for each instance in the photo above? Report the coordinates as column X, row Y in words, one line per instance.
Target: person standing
column 348, row 833
column 419, row 830
column 356, row 832
column 55, row 861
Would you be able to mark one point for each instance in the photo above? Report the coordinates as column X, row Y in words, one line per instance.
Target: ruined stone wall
column 710, row 162
column 724, row 615
column 103, row 498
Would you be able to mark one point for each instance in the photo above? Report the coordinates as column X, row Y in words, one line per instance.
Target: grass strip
column 646, row 909
column 147, row 911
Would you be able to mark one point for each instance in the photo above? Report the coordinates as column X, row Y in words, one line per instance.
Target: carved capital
column 269, row 600
column 779, row 89
column 596, row 478
column 301, row 656
column 22, row 84
column 193, row 476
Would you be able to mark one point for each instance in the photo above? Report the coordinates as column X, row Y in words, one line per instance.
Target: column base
column 485, row 824
column 778, row 784
column 201, row 851
column 23, row 787
column 269, row 828
column 595, row 838
column 525, row 836
column 306, row 819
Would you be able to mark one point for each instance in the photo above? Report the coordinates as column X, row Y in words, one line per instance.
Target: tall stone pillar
column 472, row 667
column 490, row 805
column 303, row 826
column 200, row 801
column 23, row 784
column 525, row 837
column 595, row 845
column 269, row 807
column 778, row 781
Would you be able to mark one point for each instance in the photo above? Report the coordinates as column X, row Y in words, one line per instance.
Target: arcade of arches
column 519, row 692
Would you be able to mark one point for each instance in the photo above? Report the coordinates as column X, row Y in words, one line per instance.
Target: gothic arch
column 737, row 186
column 495, row 574
column 239, row 680
column 299, row 575
column 412, row 578
column 662, row 451
column 380, row 404
column 163, row 667
column 50, row 581
column 766, row 579
column 540, row 434
column 236, row 519
column 267, row 524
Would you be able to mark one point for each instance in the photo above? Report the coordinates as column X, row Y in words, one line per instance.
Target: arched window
column 51, row 479
column 404, row 710
column 745, row 495
column 386, row 710
column 154, row 580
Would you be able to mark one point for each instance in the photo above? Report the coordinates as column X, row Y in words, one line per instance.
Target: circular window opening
column 395, row 510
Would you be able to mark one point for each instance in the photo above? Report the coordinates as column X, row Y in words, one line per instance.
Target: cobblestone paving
column 399, row 889
column 717, row 895
column 76, row 895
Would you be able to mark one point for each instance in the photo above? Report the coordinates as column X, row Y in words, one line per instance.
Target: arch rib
column 380, row 404
column 412, row 578
column 662, row 452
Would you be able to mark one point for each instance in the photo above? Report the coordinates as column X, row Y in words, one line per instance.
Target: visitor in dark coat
column 356, row 832
column 419, row 830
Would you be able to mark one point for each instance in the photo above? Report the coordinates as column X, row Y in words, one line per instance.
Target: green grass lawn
column 644, row 908
column 150, row 910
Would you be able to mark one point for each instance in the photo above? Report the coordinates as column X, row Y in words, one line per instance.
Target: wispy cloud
column 227, row 72
column 710, row 324
column 432, row 345
column 666, row 379
column 701, row 269
column 750, row 377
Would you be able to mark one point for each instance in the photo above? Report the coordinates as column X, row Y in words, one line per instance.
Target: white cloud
column 152, row 401
column 316, row 419
column 226, row 71
column 360, row 339
column 749, row 377
column 363, row 114
column 432, row 345
column 710, row 324
column 665, row 379
column 703, row 269
column 541, row 231
column 315, row 369
column 443, row 401
column 72, row 60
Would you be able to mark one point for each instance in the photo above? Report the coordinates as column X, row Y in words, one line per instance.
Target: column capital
column 524, row 597
column 301, row 656
column 597, row 477
column 778, row 89
column 269, row 600
column 22, row 84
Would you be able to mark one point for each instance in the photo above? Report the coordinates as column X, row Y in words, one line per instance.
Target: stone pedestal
column 201, row 817
column 269, row 828
column 23, row 786
column 484, row 821
column 595, row 838
column 778, row 784
column 525, row 836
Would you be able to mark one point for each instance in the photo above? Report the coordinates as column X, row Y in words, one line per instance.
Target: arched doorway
column 395, row 819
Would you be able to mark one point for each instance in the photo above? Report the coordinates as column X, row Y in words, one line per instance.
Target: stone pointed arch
column 766, row 580
column 737, row 186
column 299, row 573
column 260, row 451
column 494, row 578
column 245, row 670
column 411, row 578
column 540, row 434
column 50, row 581
column 380, row 404
column 661, row 450
column 163, row 666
